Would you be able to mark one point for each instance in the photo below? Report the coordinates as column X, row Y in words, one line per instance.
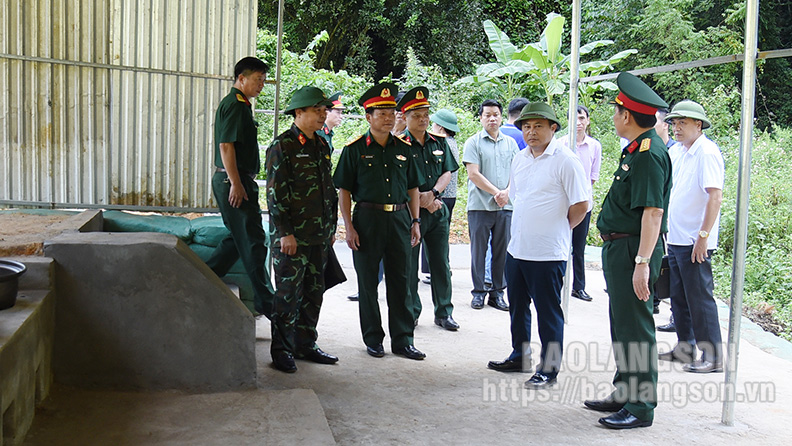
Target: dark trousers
column 299, row 280
column 384, row 236
column 692, row 302
column 434, row 239
column 579, row 236
column 246, row 241
column 482, row 225
column 449, row 202
column 540, row 282
column 632, row 327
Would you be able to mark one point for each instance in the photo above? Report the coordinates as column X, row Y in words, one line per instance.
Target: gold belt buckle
column 387, row 207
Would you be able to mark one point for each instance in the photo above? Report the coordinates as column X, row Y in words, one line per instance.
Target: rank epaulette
column 401, row 138
column 437, row 135
column 645, row 145
column 354, row 140
column 240, row 98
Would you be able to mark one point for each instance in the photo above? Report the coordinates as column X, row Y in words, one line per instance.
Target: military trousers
column 299, row 282
column 384, row 236
column 632, row 327
column 434, row 238
column 246, row 240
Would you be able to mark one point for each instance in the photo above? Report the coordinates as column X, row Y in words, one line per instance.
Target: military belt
column 383, row 207
column 614, row 236
column 241, row 172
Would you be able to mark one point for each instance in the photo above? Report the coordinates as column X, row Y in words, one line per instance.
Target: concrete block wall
column 26, row 343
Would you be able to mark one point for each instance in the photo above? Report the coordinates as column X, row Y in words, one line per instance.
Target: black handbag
column 662, row 287
column 333, row 273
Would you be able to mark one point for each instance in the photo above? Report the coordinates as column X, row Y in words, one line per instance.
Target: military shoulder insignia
column 437, row 152
column 401, row 157
column 302, row 139
column 436, row 135
column 645, row 145
column 401, row 138
column 354, row 140
column 240, row 98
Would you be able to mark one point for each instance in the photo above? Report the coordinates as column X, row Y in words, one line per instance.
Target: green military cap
column 418, row 97
column 446, row 119
column 379, row 96
column 689, row 109
column 634, row 95
column 307, row 97
column 336, row 100
column 537, row 110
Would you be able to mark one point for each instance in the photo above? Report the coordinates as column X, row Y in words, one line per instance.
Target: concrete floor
column 449, row 398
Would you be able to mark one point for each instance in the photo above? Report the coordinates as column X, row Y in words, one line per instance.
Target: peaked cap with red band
column 379, row 96
column 634, row 95
column 418, row 97
column 336, row 100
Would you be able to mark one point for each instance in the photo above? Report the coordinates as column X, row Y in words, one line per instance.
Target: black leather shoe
column 669, row 327
column 656, row 309
column 498, row 302
column 676, row 356
column 377, row 351
column 510, row 366
column 606, row 405
column 477, row 302
column 447, row 322
column 354, row 297
column 703, row 366
column 317, row 356
column 409, row 352
column 540, row 381
column 623, row 420
column 427, row 280
column 582, row 295
column 284, row 362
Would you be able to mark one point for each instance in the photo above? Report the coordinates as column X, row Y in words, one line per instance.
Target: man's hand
column 236, row 195
column 415, row 232
column 288, row 245
column 699, row 254
column 434, row 206
column 502, row 198
column 426, row 199
column 352, row 238
column 641, row 281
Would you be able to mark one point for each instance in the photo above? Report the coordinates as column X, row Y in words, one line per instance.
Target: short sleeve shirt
column 234, row 124
column 494, row 157
column 642, row 179
column 376, row 174
column 434, row 158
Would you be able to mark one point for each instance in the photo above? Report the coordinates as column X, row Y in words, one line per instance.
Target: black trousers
column 579, row 236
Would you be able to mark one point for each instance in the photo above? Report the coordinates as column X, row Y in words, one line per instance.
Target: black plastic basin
column 9, row 282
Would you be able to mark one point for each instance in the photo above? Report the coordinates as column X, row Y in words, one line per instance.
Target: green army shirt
column 301, row 198
column 327, row 135
column 234, row 123
column 642, row 179
column 377, row 174
column 434, row 157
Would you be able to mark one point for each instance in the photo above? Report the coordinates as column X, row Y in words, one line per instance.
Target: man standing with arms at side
column 433, row 155
column 633, row 216
column 303, row 210
column 334, row 117
column 662, row 130
column 488, row 155
column 550, row 194
column 234, row 183
column 693, row 219
column 377, row 171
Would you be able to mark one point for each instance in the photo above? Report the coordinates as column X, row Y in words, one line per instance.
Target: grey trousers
column 482, row 225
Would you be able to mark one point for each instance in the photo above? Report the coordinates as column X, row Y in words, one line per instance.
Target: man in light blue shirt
column 515, row 107
column 488, row 155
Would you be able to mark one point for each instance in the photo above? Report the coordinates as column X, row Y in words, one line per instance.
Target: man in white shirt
column 550, row 194
column 693, row 215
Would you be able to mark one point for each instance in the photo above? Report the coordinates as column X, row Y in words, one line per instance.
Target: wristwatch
column 416, row 220
column 639, row 260
column 703, row 234
column 436, row 193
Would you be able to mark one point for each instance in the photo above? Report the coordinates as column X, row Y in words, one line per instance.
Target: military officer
column 633, row 216
column 335, row 115
column 303, row 204
column 433, row 157
column 237, row 163
column 378, row 172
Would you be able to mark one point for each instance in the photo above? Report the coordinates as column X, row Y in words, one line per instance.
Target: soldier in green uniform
column 633, row 216
column 233, row 183
column 303, row 207
column 334, row 117
column 378, row 172
column 434, row 158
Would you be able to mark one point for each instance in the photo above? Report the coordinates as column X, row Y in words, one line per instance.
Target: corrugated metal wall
column 112, row 101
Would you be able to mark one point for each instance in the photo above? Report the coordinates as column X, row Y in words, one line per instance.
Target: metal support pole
column 741, row 220
column 278, row 67
column 574, row 70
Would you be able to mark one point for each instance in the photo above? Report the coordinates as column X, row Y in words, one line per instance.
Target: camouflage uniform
column 302, row 202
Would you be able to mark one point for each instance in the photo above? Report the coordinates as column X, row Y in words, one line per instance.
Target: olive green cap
column 689, row 109
column 307, row 97
column 446, row 119
column 635, row 95
column 537, row 110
